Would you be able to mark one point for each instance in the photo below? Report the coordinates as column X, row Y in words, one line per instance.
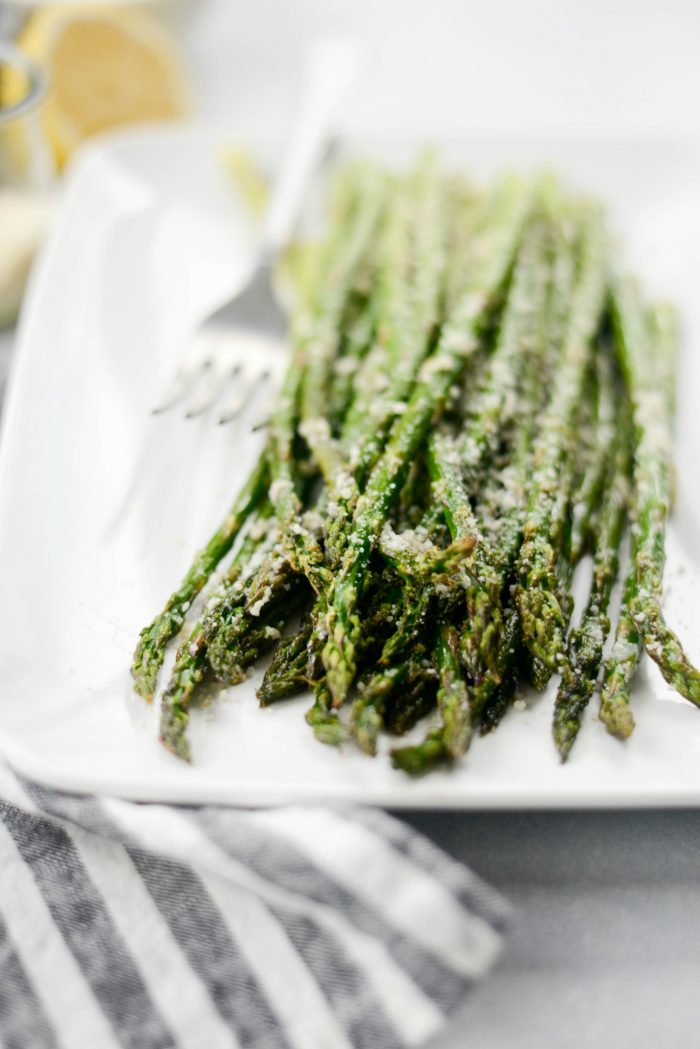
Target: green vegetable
column 646, row 348
column 473, row 406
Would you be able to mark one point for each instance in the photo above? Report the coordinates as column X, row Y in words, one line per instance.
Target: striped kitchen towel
column 151, row 926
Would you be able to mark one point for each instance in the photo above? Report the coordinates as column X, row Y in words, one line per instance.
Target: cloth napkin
column 152, row 926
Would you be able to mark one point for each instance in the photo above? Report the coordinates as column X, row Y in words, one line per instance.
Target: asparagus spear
column 598, row 463
column 431, row 579
column 585, row 645
column 272, row 596
column 308, row 556
column 456, row 344
column 561, row 562
column 498, row 703
column 367, row 711
column 543, row 621
column 326, row 725
column 450, row 739
column 358, row 336
column 646, row 349
column 407, row 305
column 341, row 263
column 621, row 665
column 191, row 666
column 521, row 334
column 409, row 311
column 490, row 690
column 414, row 314
column 154, row 638
column 286, row 674
column 242, row 620
column 536, row 344
column 394, row 699
column 413, row 703
column 301, row 546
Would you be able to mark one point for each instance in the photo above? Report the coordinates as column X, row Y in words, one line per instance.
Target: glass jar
column 25, row 158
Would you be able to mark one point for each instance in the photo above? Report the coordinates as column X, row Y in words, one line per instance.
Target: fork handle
column 332, row 66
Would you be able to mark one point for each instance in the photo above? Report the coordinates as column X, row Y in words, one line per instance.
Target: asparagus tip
column 327, row 727
column 177, row 744
column 421, row 758
column 617, row 716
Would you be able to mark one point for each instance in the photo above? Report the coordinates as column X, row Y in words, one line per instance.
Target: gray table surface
column 603, row 946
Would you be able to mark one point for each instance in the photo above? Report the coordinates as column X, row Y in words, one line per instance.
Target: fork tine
column 183, row 382
column 217, row 381
column 243, row 395
column 264, row 406
column 261, row 424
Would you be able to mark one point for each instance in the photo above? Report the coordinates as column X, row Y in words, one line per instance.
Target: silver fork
column 242, row 346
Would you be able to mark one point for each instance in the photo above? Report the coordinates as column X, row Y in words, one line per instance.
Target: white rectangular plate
column 102, row 506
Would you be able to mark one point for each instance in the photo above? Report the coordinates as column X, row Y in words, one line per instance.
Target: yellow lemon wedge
column 107, row 66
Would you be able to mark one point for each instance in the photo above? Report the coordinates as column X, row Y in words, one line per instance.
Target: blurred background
column 451, row 66
column 441, row 69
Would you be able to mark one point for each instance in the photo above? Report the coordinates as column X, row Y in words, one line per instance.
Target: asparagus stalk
column 388, row 306
column 621, row 665
column 286, row 674
column 497, row 705
column 450, row 739
column 154, row 638
column 598, row 464
column 395, row 699
column 327, row 726
column 241, row 624
column 521, row 336
column 457, row 343
column 431, row 579
column 410, row 310
column 358, row 336
column 301, row 547
column 490, row 691
column 341, row 264
column 542, row 618
column 367, row 711
column 191, row 667
column 389, row 303
column 646, row 349
column 586, row 642
column 414, row 702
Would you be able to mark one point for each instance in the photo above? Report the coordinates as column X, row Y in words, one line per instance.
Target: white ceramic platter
column 101, row 506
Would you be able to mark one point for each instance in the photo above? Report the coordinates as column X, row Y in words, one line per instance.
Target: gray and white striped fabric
column 151, row 927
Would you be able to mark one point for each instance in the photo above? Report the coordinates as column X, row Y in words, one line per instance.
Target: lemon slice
column 107, row 67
